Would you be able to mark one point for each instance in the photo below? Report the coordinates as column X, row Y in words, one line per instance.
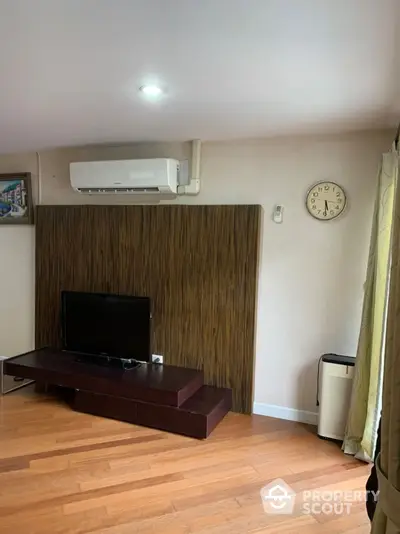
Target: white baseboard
column 281, row 412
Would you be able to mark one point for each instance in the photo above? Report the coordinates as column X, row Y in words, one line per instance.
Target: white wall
column 311, row 273
column 17, row 272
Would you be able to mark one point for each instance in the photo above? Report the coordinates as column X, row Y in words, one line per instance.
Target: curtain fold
column 387, row 517
column 365, row 404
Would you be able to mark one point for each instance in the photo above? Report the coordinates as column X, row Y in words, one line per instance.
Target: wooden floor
column 65, row 472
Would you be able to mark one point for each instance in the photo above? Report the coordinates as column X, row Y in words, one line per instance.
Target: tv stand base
column 196, row 418
column 169, row 398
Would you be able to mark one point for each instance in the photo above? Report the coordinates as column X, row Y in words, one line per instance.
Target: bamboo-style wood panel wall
column 197, row 263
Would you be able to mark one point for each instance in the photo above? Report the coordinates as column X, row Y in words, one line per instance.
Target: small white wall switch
column 278, row 214
column 157, row 358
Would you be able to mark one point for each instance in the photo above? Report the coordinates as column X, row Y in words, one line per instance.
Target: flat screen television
column 106, row 325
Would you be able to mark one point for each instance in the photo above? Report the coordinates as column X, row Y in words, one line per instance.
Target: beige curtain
column 387, row 515
column 365, row 405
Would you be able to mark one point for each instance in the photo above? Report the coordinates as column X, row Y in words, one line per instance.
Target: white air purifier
column 335, row 380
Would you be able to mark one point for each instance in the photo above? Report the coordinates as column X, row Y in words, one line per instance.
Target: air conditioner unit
column 137, row 177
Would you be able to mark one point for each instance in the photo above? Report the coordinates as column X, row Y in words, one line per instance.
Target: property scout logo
column 279, row 498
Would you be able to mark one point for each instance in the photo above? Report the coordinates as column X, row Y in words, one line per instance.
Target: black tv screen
column 102, row 324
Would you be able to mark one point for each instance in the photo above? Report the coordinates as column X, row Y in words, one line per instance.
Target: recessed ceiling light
column 151, row 90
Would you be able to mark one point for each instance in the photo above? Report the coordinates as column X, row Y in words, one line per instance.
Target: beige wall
column 311, row 273
column 17, row 272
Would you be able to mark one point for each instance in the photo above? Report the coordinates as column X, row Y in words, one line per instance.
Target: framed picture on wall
column 16, row 198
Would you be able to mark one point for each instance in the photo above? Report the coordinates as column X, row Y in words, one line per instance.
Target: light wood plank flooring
column 65, row 472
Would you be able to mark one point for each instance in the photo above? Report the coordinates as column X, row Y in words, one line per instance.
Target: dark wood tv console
column 166, row 397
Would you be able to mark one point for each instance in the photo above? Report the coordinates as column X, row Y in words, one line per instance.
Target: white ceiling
column 70, row 69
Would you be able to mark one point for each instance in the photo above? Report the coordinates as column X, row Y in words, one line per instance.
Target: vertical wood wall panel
column 197, row 263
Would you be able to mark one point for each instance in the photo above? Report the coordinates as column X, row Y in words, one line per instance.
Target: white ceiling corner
column 71, row 69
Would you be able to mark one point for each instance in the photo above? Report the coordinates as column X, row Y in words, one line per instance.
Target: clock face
column 326, row 201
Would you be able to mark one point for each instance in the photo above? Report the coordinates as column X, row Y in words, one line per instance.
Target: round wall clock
column 326, row 201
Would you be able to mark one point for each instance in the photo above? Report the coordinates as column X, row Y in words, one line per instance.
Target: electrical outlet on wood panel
column 157, row 358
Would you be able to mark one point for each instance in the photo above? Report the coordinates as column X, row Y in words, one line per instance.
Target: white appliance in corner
column 132, row 176
column 336, row 378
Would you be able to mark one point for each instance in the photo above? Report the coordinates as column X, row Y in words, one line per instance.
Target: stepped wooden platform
column 166, row 397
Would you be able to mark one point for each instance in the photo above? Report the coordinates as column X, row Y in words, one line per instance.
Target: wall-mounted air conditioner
column 137, row 177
